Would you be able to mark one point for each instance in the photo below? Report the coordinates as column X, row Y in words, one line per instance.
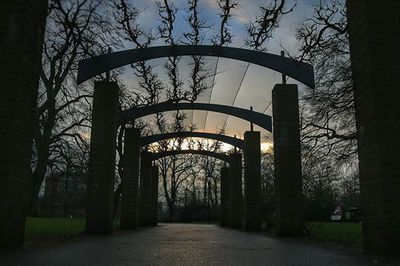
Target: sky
column 237, row 83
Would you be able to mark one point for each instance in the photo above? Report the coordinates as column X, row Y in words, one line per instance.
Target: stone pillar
column 287, row 157
column 130, row 180
column 21, row 36
column 235, row 188
column 225, row 196
column 146, row 192
column 374, row 28
column 154, row 186
column 252, row 180
column 100, row 183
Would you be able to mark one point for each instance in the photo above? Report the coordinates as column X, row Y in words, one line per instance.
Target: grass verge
column 42, row 228
column 341, row 232
column 50, row 227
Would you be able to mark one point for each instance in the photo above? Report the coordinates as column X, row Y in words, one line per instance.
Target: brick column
column 21, row 36
column 225, row 196
column 130, row 180
column 374, row 28
column 252, row 180
column 154, row 186
column 287, row 157
column 145, row 193
column 235, row 188
column 100, row 183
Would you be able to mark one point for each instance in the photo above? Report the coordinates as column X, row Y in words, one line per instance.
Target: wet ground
column 186, row 244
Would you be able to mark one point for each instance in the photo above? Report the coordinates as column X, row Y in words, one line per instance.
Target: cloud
column 212, row 4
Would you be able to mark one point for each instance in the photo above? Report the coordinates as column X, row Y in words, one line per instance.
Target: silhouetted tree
column 260, row 30
column 75, row 30
column 225, row 36
column 328, row 130
column 328, row 121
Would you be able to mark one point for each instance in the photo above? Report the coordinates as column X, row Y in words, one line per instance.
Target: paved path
column 185, row 244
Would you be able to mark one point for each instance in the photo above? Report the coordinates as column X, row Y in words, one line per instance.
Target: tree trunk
column 194, row 194
column 215, row 188
column 42, row 145
column 117, row 195
column 171, row 204
column 36, row 185
column 205, row 191
column 66, row 190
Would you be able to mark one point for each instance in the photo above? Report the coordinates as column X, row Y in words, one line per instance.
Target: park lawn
column 46, row 228
column 41, row 228
column 341, row 232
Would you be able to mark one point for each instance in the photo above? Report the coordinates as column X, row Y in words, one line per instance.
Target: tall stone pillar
column 21, row 35
column 225, row 196
column 252, row 180
column 154, row 186
column 235, row 190
column 374, row 28
column 100, row 183
column 146, row 193
column 130, row 180
column 287, row 157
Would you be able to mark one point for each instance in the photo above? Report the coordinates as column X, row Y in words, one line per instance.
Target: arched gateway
column 299, row 71
column 262, row 120
column 290, row 217
column 220, row 156
column 146, row 140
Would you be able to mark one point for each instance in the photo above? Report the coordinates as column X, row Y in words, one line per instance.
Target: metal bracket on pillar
column 108, row 73
column 283, row 74
column 251, row 123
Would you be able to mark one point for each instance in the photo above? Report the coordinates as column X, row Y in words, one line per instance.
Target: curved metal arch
column 220, row 156
column 297, row 70
column 257, row 118
column 239, row 143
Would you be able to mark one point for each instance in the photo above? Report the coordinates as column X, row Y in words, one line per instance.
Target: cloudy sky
column 236, row 82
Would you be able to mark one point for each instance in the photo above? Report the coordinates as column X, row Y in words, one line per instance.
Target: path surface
column 185, row 244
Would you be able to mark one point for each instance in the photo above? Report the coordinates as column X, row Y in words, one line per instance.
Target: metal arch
column 303, row 72
column 239, row 143
column 220, row 156
column 257, row 118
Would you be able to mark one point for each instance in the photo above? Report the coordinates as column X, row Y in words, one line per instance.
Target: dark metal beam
column 220, row 156
column 89, row 68
column 257, row 118
column 187, row 134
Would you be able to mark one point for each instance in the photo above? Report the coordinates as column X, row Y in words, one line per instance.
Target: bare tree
column 199, row 73
column 65, row 182
column 328, row 121
column 174, row 170
column 75, row 29
column 125, row 18
column 225, row 36
column 260, row 30
column 320, row 191
column 268, row 187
